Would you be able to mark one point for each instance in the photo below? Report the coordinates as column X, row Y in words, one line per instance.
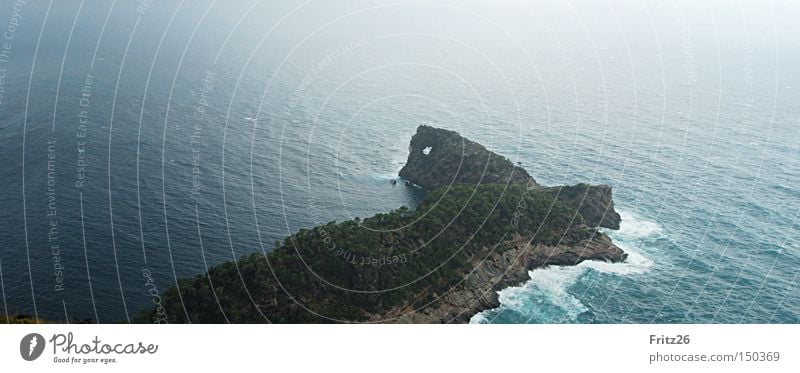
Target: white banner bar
column 399, row 348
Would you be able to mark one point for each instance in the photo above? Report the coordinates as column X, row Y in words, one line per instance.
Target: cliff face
column 504, row 268
column 439, row 157
column 594, row 202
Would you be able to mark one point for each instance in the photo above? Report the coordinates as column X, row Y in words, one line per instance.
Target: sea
column 145, row 141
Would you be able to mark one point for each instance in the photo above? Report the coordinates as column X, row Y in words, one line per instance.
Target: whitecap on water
column 551, row 284
column 635, row 227
column 554, row 281
column 542, row 299
column 479, row 318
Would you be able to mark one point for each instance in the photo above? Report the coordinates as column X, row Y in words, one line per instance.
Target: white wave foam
column 535, row 299
column 633, row 226
column 632, row 231
column 479, row 318
column 552, row 283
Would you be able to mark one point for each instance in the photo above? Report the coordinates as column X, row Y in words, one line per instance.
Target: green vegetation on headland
column 483, row 224
column 439, row 157
column 355, row 269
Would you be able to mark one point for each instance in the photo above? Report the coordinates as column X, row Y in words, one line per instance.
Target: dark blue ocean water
column 143, row 143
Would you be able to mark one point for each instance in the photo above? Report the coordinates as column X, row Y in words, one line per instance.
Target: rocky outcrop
column 499, row 270
column 439, row 157
column 486, row 224
column 594, row 202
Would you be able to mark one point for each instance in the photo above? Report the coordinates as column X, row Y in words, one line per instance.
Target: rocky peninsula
column 439, row 157
column 483, row 224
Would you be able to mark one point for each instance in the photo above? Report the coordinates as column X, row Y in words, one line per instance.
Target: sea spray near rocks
column 548, row 298
column 463, row 243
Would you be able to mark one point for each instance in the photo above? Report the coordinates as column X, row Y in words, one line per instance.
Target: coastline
column 483, row 225
column 479, row 290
